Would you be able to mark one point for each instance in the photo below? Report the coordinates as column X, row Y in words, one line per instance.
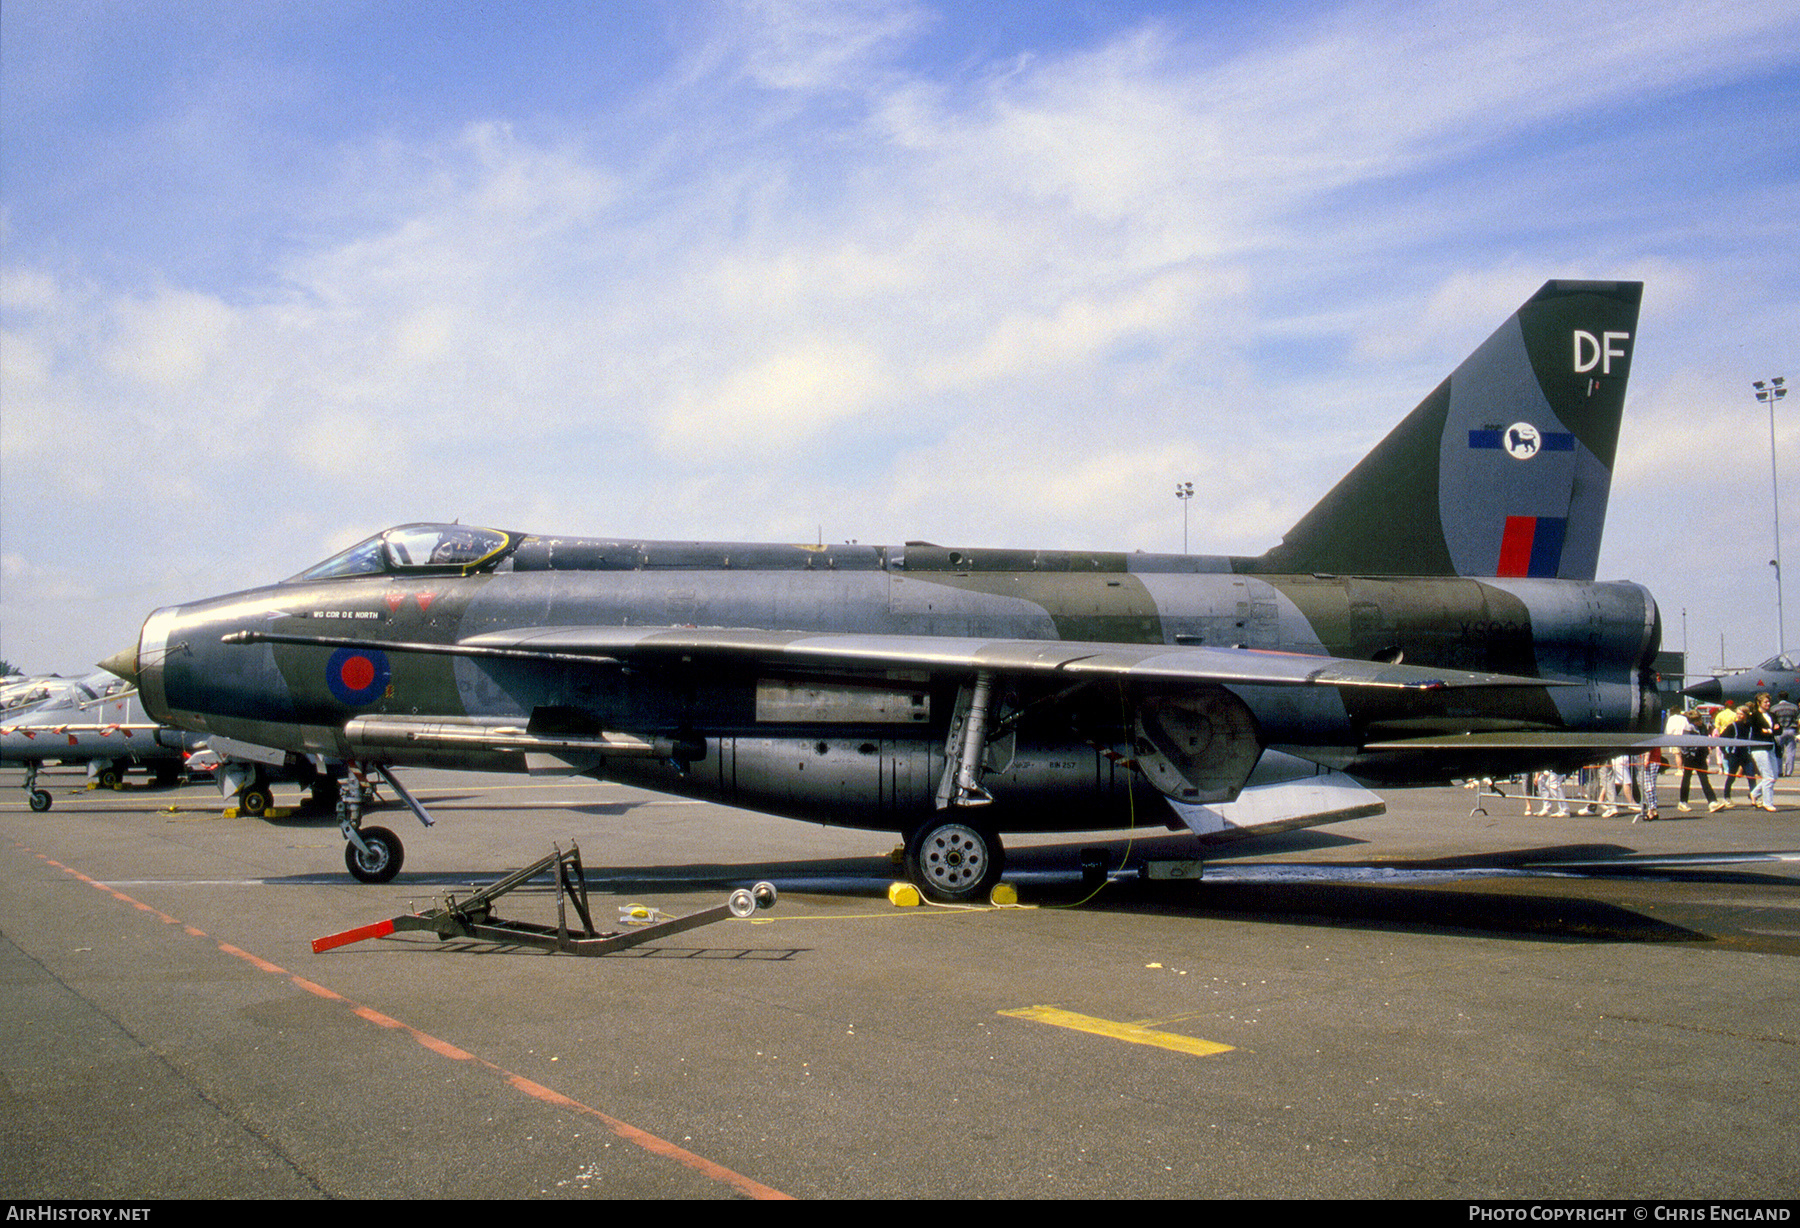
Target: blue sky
column 277, row 275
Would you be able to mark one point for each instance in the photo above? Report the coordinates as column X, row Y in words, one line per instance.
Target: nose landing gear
column 371, row 854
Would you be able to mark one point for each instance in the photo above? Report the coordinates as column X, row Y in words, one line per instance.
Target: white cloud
column 171, row 340
column 773, row 404
column 809, row 45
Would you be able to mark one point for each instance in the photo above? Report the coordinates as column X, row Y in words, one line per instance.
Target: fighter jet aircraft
column 19, row 691
column 97, row 720
column 100, row 721
column 1435, row 616
column 1777, row 676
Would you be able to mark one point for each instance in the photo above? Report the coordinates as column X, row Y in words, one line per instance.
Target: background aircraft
column 1776, row 676
column 18, row 692
column 98, row 720
column 1434, row 616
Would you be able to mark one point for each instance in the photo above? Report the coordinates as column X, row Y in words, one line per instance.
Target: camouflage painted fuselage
column 867, row 747
column 876, row 686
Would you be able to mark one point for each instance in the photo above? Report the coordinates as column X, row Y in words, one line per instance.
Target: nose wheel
column 379, row 857
column 371, row 854
column 38, row 798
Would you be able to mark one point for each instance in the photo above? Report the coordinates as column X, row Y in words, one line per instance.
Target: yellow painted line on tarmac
column 1135, row 1033
column 895, row 914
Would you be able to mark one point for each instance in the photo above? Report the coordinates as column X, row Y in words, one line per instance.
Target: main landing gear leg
column 966, row 745
column 958, row 860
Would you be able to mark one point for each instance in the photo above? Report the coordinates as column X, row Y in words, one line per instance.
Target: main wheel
column 111, row 777
column 381, row 862
column 40, row 800
column 954, row 862
column 254, row 801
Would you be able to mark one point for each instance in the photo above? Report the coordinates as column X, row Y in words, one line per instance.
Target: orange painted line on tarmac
column 623, row 1129
column 100, row 886
column 312, row 988
column 444, row 1048
column 376, row 1017
column 650, row 1142
column 253, row 960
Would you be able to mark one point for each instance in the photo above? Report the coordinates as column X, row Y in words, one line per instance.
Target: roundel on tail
column 1522, row 441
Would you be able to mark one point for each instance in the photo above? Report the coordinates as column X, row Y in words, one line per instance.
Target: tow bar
column 473, row 916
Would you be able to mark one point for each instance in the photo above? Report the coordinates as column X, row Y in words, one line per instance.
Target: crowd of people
column 1769, row 727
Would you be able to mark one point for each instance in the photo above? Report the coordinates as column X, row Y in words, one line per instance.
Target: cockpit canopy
column 60, row 693
column 1783, row 663
column 417, row 549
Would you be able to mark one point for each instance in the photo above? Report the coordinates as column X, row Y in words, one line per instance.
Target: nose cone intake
column 1707, row 692
column 124, row 663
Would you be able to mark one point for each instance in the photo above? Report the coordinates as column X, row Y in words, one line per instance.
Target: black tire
column 166, row 773
column 111, row 777
column 383, row 859
column 954, row 862
column 254, row 801
column 40, row 800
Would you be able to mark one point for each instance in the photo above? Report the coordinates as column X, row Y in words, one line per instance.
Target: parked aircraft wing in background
column 98, row 721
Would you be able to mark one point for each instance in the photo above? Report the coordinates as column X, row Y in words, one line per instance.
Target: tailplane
column 1504, row 470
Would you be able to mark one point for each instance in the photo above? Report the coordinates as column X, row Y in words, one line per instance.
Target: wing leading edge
column 1063, row 658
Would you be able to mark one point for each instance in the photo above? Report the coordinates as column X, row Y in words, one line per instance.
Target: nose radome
column 124, row 663
column 1707, row 692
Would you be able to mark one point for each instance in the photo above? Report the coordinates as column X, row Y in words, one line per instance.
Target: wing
column 32, row 730
column 1194, row 740
column 1071, row 659
column 1560, row 740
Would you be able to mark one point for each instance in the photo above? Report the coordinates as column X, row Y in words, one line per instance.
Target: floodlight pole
column 1769, row 392
column 1184, row 491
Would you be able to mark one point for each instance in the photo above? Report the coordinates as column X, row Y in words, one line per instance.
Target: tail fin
column 1504, row 469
